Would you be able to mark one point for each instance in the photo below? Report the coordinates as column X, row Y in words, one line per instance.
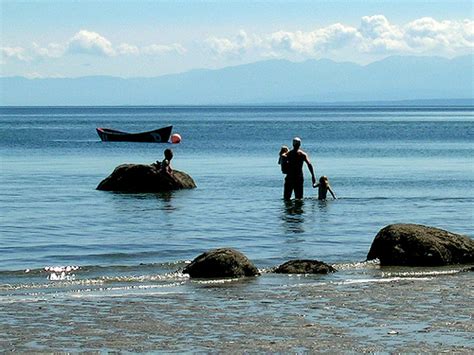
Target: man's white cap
column 297, row 139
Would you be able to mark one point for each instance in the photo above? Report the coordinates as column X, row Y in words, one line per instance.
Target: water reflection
column 323, row 206
column 299, row 216
column 143, row 201
column 167, row 200
column 293, row 216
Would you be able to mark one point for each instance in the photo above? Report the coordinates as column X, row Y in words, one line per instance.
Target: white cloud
column 318, row 41
column 236, row 46
column 380, row 36
column 428, row 34
column 90, row 43
column 378, row 27
column 298, row 41
column 222, row 46
column 374, row 35
column 17, row 53
column 87, row 42
column 52, row 50
column 158, row 49
column 129, row 49
column 336, row 36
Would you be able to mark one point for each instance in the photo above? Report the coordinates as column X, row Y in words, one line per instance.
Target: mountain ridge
column 272, row 81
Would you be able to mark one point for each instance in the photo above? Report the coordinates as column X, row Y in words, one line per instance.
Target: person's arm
column 332, row 193
column 166, row 168
column 310, row 168
column 167, row 171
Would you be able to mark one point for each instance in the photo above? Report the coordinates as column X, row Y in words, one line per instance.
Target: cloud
column 375, row 35
column 128, row 49
column 17, row 53
column 52, row 50
column 235, row 46
column 427, row 33
column 158, row 49
column 90, row 43
column 318, row 41
column 379, row 35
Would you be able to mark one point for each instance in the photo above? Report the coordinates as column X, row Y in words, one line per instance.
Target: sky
column 144, row 38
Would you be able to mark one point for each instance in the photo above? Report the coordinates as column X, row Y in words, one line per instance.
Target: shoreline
column 274, row 313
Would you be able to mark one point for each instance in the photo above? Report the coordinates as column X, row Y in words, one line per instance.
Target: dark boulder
column 417, row 245
column 220, row 263
column 304, row 267
column 144, row 178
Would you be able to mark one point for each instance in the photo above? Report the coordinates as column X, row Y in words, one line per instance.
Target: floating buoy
column 175, row 138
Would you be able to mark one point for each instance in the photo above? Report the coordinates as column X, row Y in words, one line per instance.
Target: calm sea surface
column 386, row 165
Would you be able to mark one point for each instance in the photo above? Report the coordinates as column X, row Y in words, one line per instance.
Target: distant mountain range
column 395, row 78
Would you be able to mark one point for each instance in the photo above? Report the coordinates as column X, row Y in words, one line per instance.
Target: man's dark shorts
column 293, row 183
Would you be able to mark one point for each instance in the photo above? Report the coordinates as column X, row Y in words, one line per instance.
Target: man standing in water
column 294, row 176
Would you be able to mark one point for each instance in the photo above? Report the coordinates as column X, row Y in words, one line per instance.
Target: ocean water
column 89, row 265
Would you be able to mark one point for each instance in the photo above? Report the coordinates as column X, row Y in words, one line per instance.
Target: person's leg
column 298, row 189
column 288, row 189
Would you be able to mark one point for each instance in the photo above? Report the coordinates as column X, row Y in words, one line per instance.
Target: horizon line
column 453, row 102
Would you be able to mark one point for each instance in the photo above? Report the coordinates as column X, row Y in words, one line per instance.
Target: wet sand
column 272, row 313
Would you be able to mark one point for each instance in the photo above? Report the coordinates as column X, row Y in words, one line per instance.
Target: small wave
column 217, row 281
column 93, row 268
column 408, row 274
column 122, row 291
column 384, row 280
column 97, row 292
column 63, row 279
column 357, row 282
column 146, row 278
column 61, row 273
column 368, row 264
column 50, row 285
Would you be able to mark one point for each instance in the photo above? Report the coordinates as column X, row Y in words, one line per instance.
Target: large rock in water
column 144, row 178
column 304, row 267
column 220, row 263
column 417, row 245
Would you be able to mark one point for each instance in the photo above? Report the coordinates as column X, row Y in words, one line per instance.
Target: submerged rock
column 220, row 263
column 304, row 267
column 418, row 245
column 144, row 178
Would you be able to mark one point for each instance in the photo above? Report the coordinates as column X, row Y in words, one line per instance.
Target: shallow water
column 386, row 165
column 369, row 312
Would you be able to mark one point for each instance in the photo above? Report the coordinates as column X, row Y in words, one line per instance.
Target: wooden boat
column 161, row 135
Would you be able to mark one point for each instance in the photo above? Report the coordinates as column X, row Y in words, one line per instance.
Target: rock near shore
column 304, row 267
column 144, row 178
column 221, row 263
column 418, row 245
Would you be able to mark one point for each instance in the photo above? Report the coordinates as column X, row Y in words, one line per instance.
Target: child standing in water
column 282, row 160
column 323, row 188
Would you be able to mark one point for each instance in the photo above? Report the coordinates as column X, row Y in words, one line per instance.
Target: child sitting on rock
column 166, row 163
column 164, row 166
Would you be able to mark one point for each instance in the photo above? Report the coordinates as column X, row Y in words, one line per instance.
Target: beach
column 426, row 311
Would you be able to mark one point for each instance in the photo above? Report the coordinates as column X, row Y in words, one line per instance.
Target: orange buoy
column 175, row 138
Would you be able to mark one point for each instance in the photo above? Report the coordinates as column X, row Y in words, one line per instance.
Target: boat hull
column 161, row 135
